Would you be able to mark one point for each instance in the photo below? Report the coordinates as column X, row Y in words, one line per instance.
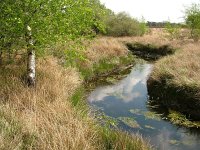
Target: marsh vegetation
column 68, row 45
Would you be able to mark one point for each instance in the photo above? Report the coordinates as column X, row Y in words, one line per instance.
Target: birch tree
column 35, row 23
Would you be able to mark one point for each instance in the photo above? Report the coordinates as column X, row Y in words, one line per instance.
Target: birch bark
column 31, row 77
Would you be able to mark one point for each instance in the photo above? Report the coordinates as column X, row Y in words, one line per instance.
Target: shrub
column 123, row 25
column 193, row 20
column 173, row 30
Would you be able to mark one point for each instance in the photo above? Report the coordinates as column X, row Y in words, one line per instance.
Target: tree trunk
column 31, row 77
column 31, row 68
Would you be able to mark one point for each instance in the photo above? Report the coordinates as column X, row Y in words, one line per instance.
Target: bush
column 193, row 20
column 123, row 25
column 173, row 30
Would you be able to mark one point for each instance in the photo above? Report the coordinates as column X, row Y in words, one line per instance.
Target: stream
column 127, row 102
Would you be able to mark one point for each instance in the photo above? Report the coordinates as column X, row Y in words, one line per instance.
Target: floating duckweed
column 174, row 142
column 149, row 127
column 136, row 111
column 180, row 119
column 152, row 115
column 187, row 142
column 147, row 114
column 130, row 122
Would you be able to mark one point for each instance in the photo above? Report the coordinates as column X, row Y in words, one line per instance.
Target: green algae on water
column 147, row 114
column 149, row 127
column 129, row 122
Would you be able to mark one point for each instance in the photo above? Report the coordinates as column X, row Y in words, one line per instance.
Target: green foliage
column 50, row 21
column 172, row 30
column 193, row 20
column 143, row 27
column 123, row 25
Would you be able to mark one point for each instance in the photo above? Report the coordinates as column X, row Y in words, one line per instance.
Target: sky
column 151, row 10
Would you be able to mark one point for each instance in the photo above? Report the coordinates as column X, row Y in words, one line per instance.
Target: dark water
column 127, row 101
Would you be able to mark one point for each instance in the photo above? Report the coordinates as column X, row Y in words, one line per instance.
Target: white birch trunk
column 31, row 68
column 31, row 77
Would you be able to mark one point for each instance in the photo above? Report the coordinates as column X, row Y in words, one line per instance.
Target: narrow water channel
column 127, row 102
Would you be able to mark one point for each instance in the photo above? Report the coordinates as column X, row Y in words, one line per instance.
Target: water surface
column 127, row 101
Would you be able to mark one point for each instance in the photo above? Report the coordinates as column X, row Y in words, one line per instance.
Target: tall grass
column 44, row 113
column 53, row 115
column 183, row 67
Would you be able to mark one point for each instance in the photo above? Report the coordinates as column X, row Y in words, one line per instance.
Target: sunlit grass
column 54, row 115
column 180, row 119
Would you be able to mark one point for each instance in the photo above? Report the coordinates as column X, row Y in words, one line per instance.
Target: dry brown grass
column 44, row 118
column 158, row 37
column 183, row 67
column 45, row 112
column 105, row 47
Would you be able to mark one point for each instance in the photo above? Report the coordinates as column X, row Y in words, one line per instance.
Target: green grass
column 118, row 140
column 179, row 119
column 13, row 135
column 78, row 96
column 105, row 66
column 109, row 138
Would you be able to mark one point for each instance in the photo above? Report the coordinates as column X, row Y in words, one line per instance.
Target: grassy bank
column 47, row 117
column 177, row 78
column 174, row 81
column 149, row 51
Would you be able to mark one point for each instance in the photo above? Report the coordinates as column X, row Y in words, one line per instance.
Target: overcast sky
column 151, row 10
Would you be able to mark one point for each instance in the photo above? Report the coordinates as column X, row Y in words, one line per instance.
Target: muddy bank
column 181, row 99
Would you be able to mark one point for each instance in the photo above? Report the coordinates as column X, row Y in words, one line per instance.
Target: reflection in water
column 127, row 101
column 124, row 89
